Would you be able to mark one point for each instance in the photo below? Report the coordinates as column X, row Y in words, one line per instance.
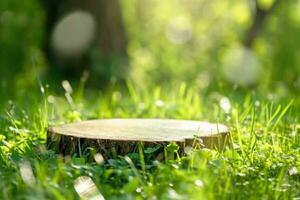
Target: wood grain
column 108, row 133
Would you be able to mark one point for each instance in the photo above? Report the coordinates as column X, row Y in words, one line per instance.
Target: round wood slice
column 122, row 134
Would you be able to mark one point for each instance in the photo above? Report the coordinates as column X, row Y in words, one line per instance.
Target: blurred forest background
column 212, row 45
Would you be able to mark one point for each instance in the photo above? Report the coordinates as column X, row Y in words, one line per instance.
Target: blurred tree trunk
column 110, row 25
column 258, row 22
column 110, row 36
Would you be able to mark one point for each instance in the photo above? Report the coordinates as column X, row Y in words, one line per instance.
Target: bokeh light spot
column 241, row 66
column 73, row 34
column 179, row 30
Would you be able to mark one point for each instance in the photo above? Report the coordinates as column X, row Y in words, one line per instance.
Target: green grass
column 264, row 162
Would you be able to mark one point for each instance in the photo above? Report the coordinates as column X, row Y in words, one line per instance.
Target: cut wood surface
column 100, row 133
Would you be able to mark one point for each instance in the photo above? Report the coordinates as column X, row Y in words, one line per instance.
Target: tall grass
column 263, row 162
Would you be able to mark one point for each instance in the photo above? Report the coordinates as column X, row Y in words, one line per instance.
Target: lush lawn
column 264, row 162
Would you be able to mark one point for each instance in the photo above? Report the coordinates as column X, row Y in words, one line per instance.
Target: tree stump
column 121, row 136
